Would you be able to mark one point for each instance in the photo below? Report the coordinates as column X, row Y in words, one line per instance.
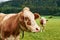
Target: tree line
column 43, row 7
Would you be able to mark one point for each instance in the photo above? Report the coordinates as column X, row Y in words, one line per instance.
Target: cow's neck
column 22, row 24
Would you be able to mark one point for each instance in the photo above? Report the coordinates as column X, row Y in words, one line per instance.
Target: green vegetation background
column 52, row 31
column 43, row 7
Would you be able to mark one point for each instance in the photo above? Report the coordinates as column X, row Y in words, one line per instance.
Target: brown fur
column 28, row 21
column 11, row 26
column 41, row 22
column 21, row 21
column 1, row 18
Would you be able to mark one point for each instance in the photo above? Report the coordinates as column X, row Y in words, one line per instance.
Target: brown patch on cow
column 21, row 20
column 28, row 21
column 10, row 27
column 36, row 15
column 41, row 22
column 26, row 18
column 21, row 17
column 1, row 18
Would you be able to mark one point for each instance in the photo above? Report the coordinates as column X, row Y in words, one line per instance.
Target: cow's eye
column 28, row 22
column 26, row 18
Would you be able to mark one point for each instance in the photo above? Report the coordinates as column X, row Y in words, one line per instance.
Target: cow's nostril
column 36, row 28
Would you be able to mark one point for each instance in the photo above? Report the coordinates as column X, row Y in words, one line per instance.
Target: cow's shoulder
column 9, row 16
column 8, row 19
column 2, row 16
column 9, row 22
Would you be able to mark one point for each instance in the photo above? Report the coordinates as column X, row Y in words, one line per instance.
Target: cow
column 43, row 22
column 12, row 24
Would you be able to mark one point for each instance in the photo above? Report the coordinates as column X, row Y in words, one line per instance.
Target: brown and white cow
column 43, row 22
column 12, row 24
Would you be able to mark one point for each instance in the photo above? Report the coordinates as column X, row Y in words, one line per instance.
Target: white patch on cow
column 10, row 38
column 8, row 16
column 13, row 38
column 2, row 14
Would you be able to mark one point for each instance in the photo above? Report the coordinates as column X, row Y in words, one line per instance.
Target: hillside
column 44, row 7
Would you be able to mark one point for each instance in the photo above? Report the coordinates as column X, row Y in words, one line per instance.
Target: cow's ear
column 36, row 16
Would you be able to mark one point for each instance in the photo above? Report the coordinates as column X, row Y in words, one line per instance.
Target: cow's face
column 44, row 20
column 29, row 21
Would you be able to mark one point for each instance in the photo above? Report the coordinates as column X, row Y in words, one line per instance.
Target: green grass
column 52, row 31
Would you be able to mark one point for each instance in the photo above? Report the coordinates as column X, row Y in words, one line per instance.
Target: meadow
column 52, row 31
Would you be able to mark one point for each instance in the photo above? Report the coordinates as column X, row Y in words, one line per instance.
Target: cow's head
column 27, row 20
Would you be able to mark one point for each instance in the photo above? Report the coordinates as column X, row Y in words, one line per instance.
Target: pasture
column 52, row 31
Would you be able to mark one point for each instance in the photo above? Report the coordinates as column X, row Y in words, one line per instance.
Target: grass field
column 52, row 31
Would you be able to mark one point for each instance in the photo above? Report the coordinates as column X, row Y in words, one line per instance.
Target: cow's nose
column 36, row 28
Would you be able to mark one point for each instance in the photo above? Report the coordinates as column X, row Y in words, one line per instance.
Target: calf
column 43, row 21
column 12, row 24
